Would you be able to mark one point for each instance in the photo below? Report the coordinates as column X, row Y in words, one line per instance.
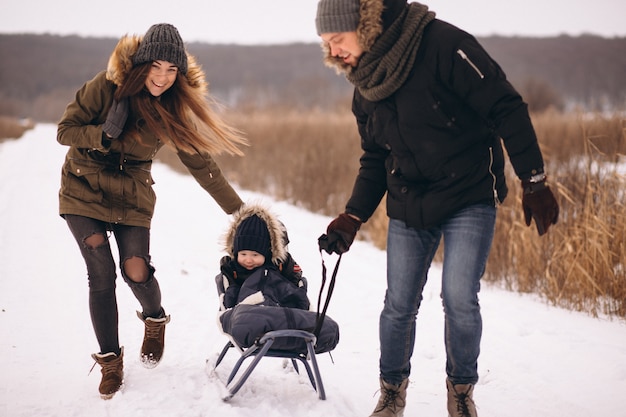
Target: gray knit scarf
column 383, row 69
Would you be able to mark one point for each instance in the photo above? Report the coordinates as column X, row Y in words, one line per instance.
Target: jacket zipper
column 464, row 56
column 493, row 177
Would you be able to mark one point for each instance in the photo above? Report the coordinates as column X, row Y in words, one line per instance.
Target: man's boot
column 153, row 339
column 460, row 402
column 112, row 372
column 392, row 399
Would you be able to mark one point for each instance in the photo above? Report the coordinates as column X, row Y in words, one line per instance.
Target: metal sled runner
column 263, row 348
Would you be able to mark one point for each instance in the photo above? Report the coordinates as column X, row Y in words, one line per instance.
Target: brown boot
column 153, row 339
column 112, row 372
column 460, row 402
column 392, row 400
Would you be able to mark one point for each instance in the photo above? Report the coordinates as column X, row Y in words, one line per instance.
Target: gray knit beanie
column 162, row 42
column 334, row 16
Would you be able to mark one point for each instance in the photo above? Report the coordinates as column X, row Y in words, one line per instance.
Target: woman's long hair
column 186, row 117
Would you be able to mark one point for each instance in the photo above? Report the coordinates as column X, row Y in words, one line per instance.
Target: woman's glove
column 539, row 204
column 339, row 234
column 116, row 119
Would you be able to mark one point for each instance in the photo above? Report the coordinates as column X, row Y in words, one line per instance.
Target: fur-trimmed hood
column 276, row 229
column 376, row 16
column 121, row 61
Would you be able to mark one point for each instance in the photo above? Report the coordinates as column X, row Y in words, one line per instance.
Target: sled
column 263, row 348
column 294, row 344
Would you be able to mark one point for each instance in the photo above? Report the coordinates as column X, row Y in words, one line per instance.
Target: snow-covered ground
column 536, row 360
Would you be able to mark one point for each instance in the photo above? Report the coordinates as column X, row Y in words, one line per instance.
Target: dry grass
column 580, row 263
column 311, row 160
column 12, row 128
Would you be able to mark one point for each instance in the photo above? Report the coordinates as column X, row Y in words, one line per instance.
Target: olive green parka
column 113, row 183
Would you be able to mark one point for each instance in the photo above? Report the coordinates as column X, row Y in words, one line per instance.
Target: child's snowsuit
column 270, row 297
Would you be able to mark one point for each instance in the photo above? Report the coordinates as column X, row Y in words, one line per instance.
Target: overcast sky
column 284, row 21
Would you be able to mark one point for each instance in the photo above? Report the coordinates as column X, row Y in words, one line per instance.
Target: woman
column 152, row 94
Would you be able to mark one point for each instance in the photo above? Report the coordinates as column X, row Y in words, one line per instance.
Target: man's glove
column 116, row 119
column 339, row 234
column 539, row 204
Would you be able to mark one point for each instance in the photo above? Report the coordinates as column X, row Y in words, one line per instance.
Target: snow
column 535, row 360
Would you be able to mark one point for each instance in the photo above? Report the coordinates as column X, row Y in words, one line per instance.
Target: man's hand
column 539, row 204
column 339, row 234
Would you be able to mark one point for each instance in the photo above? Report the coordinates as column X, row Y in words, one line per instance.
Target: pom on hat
column 162, row 42
column 252, row 234
column 335, row 16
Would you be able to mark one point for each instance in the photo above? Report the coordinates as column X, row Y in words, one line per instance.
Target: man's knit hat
column 252, row 234
column 334, row 16
column 162, row 42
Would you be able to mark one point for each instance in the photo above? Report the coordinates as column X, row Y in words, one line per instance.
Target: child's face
column 250, row 259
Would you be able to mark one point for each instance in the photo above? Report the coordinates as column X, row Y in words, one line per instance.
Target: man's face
column 344, row 45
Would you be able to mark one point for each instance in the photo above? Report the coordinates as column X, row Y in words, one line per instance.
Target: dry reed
column 579, row 263
column 12, row 128
column 311, row 159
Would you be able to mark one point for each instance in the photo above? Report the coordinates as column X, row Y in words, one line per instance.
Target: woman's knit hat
column 252, row 234
column 162, row 42
column 334, row 16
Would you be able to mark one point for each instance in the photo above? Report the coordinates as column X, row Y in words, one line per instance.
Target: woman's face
column 161, row 77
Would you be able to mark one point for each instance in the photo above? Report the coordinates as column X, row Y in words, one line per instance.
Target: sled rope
column 331, row 286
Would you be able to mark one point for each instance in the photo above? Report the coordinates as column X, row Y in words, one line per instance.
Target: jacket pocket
column 446, row 119
column 81, row 180
column 140, row 193
column 466, row 163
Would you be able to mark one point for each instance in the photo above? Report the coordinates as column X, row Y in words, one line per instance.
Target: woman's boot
column 112, row 372
column 153, row 339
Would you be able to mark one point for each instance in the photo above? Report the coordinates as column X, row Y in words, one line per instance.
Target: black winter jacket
column 434, row 145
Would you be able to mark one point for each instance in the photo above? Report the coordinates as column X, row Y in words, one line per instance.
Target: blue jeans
column 467, row 239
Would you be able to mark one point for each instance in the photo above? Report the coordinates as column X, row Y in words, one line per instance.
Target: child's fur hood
column 121, row 62
column 277, row 231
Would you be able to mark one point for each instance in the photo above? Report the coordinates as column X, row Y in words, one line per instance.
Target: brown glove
column 339, row 234
column 539, row 204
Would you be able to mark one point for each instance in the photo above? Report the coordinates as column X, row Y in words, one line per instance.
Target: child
column 256, row 239
column 259, row 273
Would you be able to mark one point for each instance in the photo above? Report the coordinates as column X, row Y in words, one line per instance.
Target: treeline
column 39, row 74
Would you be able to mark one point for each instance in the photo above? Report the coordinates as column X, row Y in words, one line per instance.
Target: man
column 431, row 107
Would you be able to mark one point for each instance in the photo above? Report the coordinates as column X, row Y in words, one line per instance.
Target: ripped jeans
column 133, row 244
